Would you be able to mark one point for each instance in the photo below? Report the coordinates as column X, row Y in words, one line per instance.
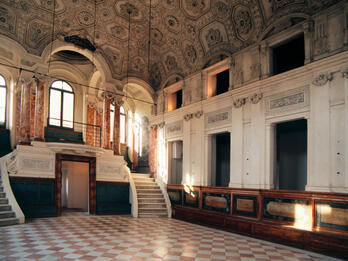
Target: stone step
column 8, row 221
column 5, row 207
column 143, row 180
column 152, row 205
column 150, row 195
column 151, row 200
column 3, row 201
column 2, row 195
column 154, row 186
column 152, row 210
column 154, row 191
column 151, row 215
column 152, row 183
column 6, row 214
column 135, row 174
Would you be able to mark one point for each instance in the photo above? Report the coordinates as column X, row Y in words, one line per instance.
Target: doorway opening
column 221, row 158
column 75, row 188
column 175, row 162
column 66, row 183
column 291, row 155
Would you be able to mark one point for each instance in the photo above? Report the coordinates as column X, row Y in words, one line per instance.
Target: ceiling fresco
column 185, row 34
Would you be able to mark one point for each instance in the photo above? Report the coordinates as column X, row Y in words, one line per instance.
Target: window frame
column 3, row 125
column 61, row 106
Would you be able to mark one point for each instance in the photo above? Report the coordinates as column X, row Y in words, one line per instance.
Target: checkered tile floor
column 78, row 236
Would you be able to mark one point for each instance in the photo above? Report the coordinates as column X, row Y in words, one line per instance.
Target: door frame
column 92, row 180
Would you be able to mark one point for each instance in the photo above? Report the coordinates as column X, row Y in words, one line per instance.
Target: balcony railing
column 81, row 133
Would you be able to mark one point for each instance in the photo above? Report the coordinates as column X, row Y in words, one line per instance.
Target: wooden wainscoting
column 309, row 220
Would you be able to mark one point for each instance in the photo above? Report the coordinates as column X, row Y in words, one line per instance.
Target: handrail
column 133, row 193
column 7, row 188
column 163, row 188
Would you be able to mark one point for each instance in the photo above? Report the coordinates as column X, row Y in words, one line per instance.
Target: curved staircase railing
column 163, row 188
column 7, row 164
column 133, row 194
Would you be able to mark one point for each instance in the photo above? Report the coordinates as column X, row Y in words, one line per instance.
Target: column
column 345, row 76
column 17, row 108
column 24, row 117
column 90, row 136
column 269, row 162
column 106, row 122
column 39, row 110
column 32, row 109
column 116, row 138
column 319, row 135
column 153, row 149
column 236, row 170
column 99, row 123
column 186, row 168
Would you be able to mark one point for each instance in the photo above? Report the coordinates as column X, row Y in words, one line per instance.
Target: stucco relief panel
column 174, row 129
column 7, row 19
column 291, row 100
column 217, row 118
column 195, row 8
column 212, row 36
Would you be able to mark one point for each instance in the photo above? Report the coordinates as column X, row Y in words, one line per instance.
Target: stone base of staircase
column 7, row 216
column 151, row 202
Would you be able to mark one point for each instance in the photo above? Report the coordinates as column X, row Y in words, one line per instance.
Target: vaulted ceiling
column 186, row 35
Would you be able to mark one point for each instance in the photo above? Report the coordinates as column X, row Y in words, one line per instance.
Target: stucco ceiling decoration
column 186, row 35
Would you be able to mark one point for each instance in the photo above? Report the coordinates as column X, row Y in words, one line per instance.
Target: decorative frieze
column 322, row 79
column 289, row 100
column 44, row 165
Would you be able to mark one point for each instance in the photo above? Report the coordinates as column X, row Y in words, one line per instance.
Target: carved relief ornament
column 198, row 114
column 344, row 72
column 322, row 79
column 239, row 102
column 153, row 127
column 161, row 125
column 255, row 98
column 188, row 116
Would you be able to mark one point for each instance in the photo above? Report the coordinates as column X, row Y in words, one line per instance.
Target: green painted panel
column 113, row 198
column 35, row 196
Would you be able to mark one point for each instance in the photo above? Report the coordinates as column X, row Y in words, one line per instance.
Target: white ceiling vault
column 186, row 35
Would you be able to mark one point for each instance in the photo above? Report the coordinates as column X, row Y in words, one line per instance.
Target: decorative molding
column 239, row 102
column 188, row 116
column 218, row 118
column 153, row 127
column 255, row 98
column 44, row 165
column 322, row 79
column 83, row 43
column 198, row 114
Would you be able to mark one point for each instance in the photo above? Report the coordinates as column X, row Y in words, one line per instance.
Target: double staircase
column 151, row 202
column 7, row 216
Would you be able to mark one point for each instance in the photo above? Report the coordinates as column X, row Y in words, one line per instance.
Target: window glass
column 68, row 110
column 2, row 81
column 55, row 107
column 61, row 106
column 2, row 105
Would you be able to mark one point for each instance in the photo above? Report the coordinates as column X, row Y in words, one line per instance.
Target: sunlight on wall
column 162, row 168
column 188, row 186
column 303, row 217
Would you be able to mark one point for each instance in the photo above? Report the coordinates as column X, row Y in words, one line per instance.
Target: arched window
column 61, row 105
column 122, row 125
column 3, row 95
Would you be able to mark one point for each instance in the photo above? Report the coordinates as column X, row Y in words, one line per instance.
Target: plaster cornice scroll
column 322, row 79
column 239, row 102
column 161, row 125
column 188, row 116
column 198, row 114
column 255, row 98
column 344, row 72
